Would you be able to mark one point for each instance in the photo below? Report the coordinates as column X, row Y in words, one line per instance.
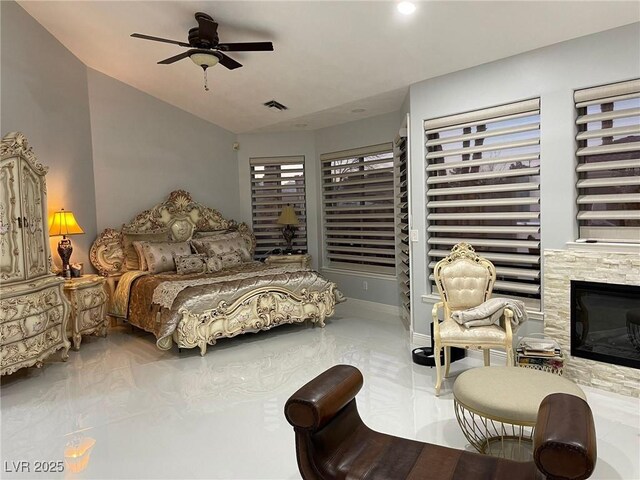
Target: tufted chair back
column 464, row 279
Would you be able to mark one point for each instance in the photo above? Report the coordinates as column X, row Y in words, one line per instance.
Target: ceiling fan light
column 204, row 60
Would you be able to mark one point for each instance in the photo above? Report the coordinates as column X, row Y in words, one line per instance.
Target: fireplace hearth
column 605, row 322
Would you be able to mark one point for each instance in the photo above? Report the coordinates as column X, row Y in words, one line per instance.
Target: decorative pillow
column 214, row 264
column 196, row 263
column 230, row 259
column 159, row 256
column 131, row 260
column 143, row 263
column 226, row 243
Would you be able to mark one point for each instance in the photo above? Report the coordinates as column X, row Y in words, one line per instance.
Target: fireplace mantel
column 633, row 248
column 592, row 265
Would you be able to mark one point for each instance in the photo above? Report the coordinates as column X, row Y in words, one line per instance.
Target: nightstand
column 88, row 299
column 302, row 259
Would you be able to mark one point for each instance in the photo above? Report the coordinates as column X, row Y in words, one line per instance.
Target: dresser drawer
column 31, row 304
column 34, row 323
column 91, row 318
column 90, row 298
column 31, row 347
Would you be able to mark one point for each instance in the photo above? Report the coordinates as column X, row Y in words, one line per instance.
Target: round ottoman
column 497, row 407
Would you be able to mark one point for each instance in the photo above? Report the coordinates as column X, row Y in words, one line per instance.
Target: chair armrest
column 434, row 316
column 565, row 437
column 506, row 318
column 317, row 402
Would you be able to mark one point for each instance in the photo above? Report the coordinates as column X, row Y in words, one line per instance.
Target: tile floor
column 155, row 414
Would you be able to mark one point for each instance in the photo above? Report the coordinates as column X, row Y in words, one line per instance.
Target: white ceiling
column 330, row 57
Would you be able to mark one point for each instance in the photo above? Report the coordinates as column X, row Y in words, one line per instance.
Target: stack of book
column 540, row 353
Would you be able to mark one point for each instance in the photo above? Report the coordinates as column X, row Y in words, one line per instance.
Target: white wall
column 552, row 73
column 144, row 148
column 44, row 95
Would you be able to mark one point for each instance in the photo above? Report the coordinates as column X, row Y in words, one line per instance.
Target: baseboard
column 373, row 306
column 421, row 339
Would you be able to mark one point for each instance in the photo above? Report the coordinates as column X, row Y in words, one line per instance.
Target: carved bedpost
column 107, row 253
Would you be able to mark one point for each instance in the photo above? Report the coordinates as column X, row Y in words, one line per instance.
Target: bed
column 216, row 292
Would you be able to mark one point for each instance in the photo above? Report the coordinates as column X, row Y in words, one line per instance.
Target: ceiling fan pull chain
column 206, row 83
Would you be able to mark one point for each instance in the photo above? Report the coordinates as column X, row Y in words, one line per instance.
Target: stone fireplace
column 587, row 264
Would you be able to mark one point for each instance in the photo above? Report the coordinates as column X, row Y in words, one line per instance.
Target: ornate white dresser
column 33, row 308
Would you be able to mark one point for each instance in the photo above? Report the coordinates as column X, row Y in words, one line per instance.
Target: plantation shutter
column 358, row 208
column 276, row 182
column 608, row 168
column 403, row 251
column 483, row 187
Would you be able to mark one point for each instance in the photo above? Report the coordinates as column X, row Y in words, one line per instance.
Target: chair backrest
column 464, row 278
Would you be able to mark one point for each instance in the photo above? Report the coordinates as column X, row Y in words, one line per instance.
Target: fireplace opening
column 605, row 322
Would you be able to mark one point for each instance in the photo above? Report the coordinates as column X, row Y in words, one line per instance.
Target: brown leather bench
column 332, row 442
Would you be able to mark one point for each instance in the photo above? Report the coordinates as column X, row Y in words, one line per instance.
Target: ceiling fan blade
column 246, row 47
column 207, row 30
column 158, row 39
column 228, row 62
column 175, row 58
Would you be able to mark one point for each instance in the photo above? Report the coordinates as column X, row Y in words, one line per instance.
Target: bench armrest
column 565, row 437
column 317, row 402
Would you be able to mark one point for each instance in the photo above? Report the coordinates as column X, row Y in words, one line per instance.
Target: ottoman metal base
column 495, row 437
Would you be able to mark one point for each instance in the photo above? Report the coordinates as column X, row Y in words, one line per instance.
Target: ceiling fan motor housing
column 200, row 41
column 197, row 42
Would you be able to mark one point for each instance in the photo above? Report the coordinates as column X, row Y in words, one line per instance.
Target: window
column 608, row 167
column 276, row 182
column 358, row 207
column 483, row 187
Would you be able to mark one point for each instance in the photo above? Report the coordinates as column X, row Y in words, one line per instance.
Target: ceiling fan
column 205, row 49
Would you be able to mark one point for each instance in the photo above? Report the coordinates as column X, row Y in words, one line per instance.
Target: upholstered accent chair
column 465, row 280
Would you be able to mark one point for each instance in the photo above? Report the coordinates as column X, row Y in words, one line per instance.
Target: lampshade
column 288, row 216
column 64, row 223
column 204, row 59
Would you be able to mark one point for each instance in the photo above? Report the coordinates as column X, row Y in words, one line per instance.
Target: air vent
column 275, row 105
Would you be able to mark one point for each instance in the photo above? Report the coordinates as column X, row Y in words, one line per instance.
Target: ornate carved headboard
column 179, row 214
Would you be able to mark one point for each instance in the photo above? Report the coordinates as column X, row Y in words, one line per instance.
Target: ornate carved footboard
column 260, row 309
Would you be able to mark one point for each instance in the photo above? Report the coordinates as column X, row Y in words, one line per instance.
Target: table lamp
column 289, row 219
column 64, row 223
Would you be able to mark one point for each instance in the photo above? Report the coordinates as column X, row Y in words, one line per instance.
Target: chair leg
column 447, row 361
column 486, row 353
column 436, row 357
column 510, row 359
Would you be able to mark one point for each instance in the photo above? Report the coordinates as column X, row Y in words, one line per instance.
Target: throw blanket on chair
column 490, row 312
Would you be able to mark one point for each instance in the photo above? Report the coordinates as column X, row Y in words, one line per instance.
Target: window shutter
column 483, row 187
column 276, row 182
column 403, row 261
column 608, row 167
column 358, row 207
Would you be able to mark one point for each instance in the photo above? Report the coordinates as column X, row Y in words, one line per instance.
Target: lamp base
column 64, row 250
column 288, row 232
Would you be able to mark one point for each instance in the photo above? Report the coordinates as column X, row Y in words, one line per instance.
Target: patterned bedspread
column 153, row 302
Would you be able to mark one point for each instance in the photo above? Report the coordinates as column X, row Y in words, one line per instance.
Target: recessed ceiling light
column 406, row 8
column 358, row 110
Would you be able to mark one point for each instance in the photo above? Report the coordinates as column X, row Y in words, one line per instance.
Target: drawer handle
column 19, row 222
